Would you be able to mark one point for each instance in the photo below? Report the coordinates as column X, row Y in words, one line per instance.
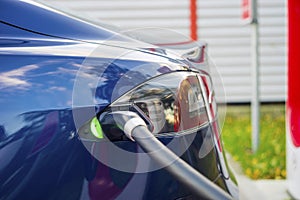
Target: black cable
column 135, row 129
column 199, row 185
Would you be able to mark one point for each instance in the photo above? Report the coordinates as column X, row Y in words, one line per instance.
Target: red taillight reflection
column 189, row 105
column 215, row 127
column 212, row 104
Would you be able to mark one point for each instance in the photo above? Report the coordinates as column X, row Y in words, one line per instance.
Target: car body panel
column 58, row 24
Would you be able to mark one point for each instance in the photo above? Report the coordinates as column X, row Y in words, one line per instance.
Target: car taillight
column 172, row 102
column 190, row 106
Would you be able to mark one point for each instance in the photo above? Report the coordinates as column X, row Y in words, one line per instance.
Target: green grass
column 269, row 160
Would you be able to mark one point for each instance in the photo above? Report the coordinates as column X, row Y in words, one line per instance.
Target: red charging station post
column 293, row 99
column 193, row 20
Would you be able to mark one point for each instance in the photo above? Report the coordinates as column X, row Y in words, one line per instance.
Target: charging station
column 293, row 100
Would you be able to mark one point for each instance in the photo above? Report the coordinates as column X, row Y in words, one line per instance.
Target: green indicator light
column 96, row 128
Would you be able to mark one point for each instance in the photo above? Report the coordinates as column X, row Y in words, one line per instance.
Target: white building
column 220, row 25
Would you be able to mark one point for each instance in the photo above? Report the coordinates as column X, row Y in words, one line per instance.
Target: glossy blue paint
column 36, row 18
column 54, row 67
column 42, row 158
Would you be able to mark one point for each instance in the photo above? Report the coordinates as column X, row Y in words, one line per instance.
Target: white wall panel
column 220, row 25
column 227, row 32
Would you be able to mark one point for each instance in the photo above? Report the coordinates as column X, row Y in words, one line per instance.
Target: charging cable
column 136, row 130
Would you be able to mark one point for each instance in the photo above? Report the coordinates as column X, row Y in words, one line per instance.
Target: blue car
column 89, row 113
